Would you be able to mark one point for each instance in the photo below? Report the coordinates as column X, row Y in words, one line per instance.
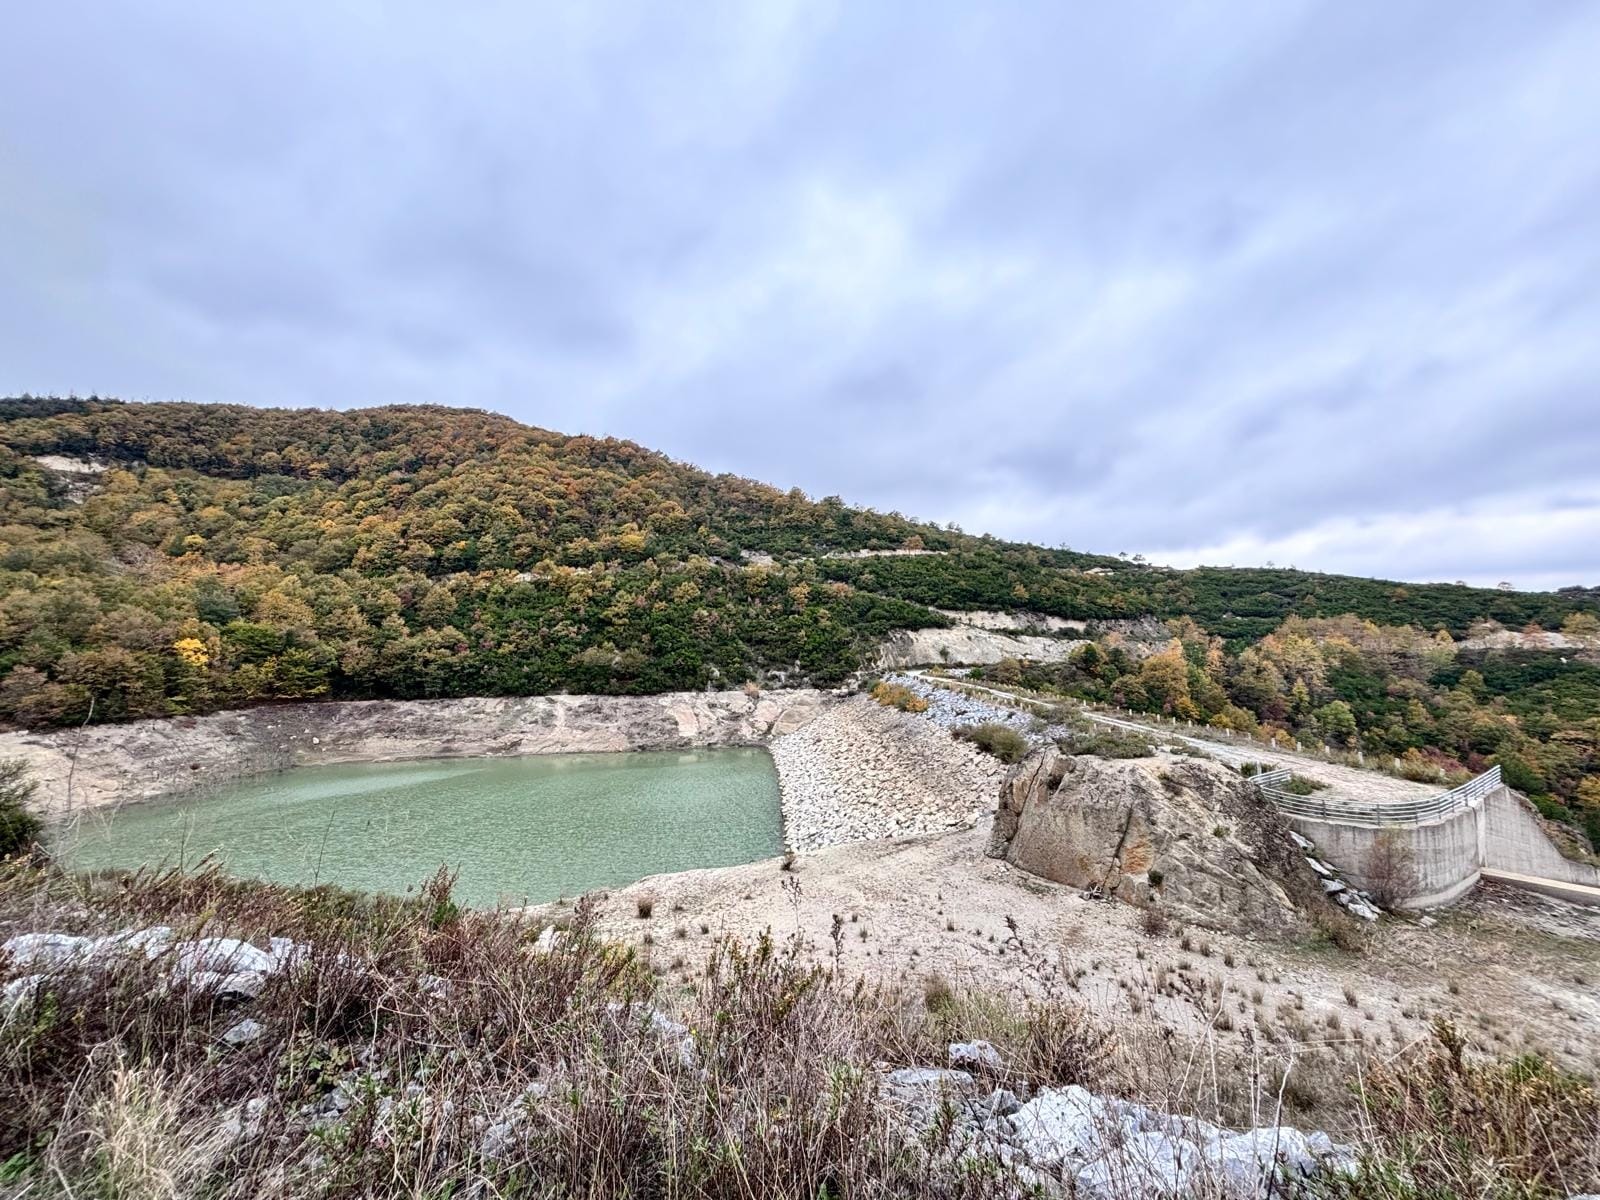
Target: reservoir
column 519, row 830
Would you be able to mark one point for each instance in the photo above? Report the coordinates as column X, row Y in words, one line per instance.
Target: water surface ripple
column 519, row 829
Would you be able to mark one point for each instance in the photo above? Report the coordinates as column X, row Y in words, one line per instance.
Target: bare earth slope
column 938, row 907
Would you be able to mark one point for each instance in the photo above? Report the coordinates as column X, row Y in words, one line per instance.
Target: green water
column 519, row 829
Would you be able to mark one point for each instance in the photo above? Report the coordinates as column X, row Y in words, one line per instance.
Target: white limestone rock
column 1147, row 1165
column 975, row 1056
column 242, row 1033
column 19, row 994
column 47, row 951
column 1067, row 1125
column 223, row 955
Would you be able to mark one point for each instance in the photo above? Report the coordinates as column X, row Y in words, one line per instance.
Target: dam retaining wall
column 1445, row 856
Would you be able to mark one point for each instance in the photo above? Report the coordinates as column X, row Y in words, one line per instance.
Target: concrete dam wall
column 1445, row 856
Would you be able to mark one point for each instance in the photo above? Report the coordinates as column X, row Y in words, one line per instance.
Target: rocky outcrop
column 225, row 967
column 969, row 646
column 1187, row 835
column 112, row 764
column 1069, row 1141
column 862, row 771
column 1012, row 622
column 80, row 475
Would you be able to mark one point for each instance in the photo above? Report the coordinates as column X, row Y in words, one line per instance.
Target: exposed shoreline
column 849, row 770
column 108, row 765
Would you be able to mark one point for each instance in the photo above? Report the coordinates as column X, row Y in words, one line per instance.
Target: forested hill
column 170, row 558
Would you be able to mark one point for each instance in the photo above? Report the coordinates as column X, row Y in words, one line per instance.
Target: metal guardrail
column 1409, row 812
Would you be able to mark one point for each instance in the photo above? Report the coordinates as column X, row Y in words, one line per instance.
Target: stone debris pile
column 1356, row 903
column 1069, row 1141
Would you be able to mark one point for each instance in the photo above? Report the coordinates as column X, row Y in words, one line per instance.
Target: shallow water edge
column 518, row 830
column 78, row 770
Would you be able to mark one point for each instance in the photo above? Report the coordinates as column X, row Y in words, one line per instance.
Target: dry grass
column 1438, row 1123
column 426, row 1051
column 414, row 1031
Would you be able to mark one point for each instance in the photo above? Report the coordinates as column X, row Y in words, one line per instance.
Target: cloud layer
column 1310, row 282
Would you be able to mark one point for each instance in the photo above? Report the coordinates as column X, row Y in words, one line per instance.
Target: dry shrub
column 1340, row 930
column 1062, row 1045
column 1002, row 741
column 412, row 1030
column 1153, row 920
column 894, row 695
column 1440, row 1124
column 144, row 1148
column 1390, row 869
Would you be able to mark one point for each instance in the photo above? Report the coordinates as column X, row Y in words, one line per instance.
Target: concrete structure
column 1515, row 842
column 1443, row 856
column 1446, row 844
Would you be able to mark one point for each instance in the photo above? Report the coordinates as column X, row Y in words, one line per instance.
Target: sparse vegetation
column 1441, row 1124
column 19, row 827
column 1002, row 741
column 1102, row 742
column 894, row 695
column 1301, row 785
column 1391, row 869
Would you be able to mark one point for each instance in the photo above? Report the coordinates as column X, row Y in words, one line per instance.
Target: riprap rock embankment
column 860, row 771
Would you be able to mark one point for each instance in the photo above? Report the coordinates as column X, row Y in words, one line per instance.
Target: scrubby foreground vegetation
column 411, row 1048
column 175, row 558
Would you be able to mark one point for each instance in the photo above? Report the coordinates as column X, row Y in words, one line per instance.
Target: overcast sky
column 1316, row 283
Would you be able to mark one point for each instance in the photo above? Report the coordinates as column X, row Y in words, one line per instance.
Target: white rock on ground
column 243, row 1032
column 1109, row 1149
column 975, row 1056
column 47, row 950
column 227, row 966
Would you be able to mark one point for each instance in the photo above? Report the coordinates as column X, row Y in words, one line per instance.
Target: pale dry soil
column 1516, row 972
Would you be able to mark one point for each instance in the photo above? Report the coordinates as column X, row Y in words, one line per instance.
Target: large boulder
column 1188, row 835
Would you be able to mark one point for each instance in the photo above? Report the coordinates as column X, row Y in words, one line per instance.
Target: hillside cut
column 1186, row 835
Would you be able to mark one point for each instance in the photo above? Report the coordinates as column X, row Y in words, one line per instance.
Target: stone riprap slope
column 113, row 764
column 951, row 710
column 861, row 771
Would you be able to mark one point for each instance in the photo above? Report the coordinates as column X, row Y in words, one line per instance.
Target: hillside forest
column 168, row 559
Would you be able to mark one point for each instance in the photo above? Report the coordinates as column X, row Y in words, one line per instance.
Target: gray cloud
column 1301, row 281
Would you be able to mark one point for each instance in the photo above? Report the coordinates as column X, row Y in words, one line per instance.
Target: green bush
column 1002, row 741
column 1300, row 785
column 19, row 828
column 1106, row 743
